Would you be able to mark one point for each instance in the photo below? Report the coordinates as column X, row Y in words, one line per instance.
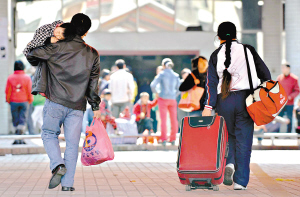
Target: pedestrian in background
column 29, row 122
column 104, row 81
column 105, row 109
column 168, row 82
column 142, row 110
column 155, row 109
column 37, row 115
column 199, row 69
column 121, row 87
column 18, row 95
column 289, row 82
column 180, row 113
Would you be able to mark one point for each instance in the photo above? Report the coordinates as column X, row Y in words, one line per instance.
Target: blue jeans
column 240, row 128
column 54, row 116
column 19, row 113
column 288, row 111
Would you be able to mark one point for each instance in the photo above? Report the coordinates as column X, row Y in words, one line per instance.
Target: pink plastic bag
column 97, row 147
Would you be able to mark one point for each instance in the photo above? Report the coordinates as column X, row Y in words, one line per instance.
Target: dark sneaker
column 67, row 188
column 57, row 173
column 228, row 175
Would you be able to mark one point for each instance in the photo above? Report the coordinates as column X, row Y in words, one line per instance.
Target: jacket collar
column 19, row 72
column 78, row 39
column 231, row 41
column 168, row 69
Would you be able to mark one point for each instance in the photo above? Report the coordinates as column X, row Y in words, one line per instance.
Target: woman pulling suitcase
column 227, row 90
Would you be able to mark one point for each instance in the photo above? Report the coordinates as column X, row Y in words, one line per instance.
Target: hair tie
column 227, row 34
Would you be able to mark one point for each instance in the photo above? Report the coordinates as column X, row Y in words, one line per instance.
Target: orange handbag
column 266, row 101
column 190, row 100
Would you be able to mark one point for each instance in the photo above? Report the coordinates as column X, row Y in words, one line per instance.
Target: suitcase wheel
column 216, row 188
column 188, row 188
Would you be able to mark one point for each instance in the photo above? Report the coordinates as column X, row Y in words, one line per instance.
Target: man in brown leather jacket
column 72, row 79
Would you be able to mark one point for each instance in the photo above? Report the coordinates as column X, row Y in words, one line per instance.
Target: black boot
column 16, row 142
column 67, row 188
column 57, row 173
column 22, row 142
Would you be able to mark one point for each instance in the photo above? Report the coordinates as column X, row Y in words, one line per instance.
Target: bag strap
column 93, row 122
column 196, row 81
column 248, row 71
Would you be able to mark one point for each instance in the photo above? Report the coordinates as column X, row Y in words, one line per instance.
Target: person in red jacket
column 18, row 95
column 290, row 84
column 142, row 110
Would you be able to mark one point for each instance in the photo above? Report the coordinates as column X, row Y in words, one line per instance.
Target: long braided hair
column 226, row 31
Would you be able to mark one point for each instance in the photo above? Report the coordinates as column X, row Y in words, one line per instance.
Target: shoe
column 16, row 142
column 239, row 187
column 57, row 173
column 67, row 188
column 228, row 175
column 22, row 142
column 173, row 143
column 164, row 143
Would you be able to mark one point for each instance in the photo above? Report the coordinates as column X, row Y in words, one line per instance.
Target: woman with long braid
column 227, row 90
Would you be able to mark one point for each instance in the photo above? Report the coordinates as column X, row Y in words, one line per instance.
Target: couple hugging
column 67, row 75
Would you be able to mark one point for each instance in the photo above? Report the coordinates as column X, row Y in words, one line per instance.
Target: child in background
column 142, row 110
column 105, row 108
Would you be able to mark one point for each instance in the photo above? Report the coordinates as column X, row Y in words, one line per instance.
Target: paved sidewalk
column 145, row 174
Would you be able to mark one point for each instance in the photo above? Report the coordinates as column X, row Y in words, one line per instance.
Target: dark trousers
column 19, row 113
column 288, row 110
column 144, row 124
column 240, row 129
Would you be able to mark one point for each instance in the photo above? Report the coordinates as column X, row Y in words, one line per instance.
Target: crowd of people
column 118, row 89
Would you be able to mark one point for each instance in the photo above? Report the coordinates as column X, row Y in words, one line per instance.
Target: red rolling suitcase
column 202, row 152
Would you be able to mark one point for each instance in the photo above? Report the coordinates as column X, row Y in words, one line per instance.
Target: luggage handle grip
column 193, row 180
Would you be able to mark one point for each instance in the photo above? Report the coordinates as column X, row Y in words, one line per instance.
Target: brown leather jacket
column 73, row 73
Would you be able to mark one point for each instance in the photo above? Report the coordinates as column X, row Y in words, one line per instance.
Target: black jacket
column 39, row 80
column 73, row 73
column 189, row 83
